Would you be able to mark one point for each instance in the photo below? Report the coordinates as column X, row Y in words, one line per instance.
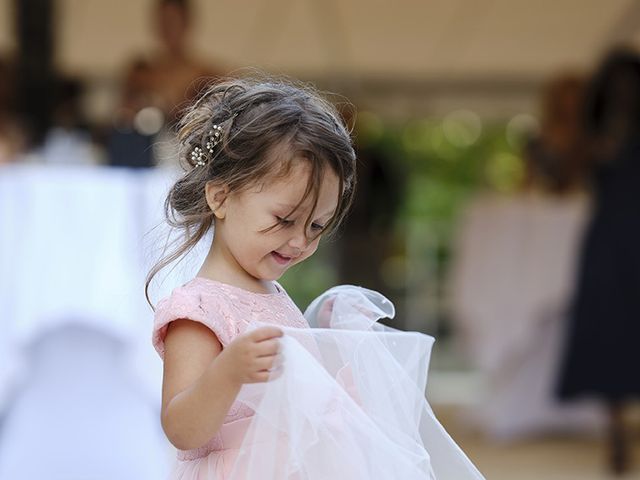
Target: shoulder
column 198, row 302
column 190, row 299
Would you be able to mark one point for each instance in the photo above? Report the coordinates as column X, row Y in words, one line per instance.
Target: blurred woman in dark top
column 602, row 354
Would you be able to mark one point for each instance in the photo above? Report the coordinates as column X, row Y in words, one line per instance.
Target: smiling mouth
column 281, row 259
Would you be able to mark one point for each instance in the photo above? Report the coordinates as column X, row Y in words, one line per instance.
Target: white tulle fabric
column 348, row 404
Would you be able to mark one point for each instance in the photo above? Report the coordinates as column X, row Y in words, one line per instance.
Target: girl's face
column 241, row 239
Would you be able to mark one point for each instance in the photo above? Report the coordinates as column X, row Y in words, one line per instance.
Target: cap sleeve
column 182, row 304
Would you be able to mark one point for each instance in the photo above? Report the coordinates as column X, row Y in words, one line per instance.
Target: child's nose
column 299, row 240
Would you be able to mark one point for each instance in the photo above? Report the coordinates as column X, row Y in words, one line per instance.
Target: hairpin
column 215, row 135
column 198, row 155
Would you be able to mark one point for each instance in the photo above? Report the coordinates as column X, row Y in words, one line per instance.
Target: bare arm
column 201, row 381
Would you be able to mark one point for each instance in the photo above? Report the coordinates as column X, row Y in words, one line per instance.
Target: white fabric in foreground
column 349, row 403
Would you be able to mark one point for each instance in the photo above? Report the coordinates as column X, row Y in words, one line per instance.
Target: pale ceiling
column 451, row 46
column 435, row 38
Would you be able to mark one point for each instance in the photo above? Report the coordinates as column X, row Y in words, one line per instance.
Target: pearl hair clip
column 198, row 155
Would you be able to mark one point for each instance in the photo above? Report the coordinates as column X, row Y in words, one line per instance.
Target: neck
column 220, row 265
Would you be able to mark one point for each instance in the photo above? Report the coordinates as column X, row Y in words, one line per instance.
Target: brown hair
column 266, row 124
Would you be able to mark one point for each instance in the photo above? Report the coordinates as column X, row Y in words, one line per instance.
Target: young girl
column 249, row 390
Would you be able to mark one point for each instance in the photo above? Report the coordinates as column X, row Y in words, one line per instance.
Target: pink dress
column 349, row 403
column 228, row 311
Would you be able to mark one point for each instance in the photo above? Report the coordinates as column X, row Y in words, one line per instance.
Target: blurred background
column 498, row 208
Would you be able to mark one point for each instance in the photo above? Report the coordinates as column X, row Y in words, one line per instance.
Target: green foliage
column 445, row 165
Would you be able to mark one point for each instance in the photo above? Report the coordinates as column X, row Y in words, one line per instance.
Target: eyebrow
column 292, row 207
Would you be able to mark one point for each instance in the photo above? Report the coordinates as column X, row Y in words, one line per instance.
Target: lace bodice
column 228, row 311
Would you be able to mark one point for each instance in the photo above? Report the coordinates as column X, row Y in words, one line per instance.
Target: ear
column 216, row 195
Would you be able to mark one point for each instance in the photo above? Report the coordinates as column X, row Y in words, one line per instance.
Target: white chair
column 81, row 414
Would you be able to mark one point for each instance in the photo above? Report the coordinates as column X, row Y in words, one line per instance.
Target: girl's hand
column 250, row 357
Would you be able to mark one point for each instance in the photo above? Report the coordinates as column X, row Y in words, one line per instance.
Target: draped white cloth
column 350, row 402
column 512, row 283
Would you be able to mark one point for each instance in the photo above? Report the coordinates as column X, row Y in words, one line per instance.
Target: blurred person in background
column 555, row 159
column 68, row 140
column 513, row 277
column 155, row 88
column 602, row 354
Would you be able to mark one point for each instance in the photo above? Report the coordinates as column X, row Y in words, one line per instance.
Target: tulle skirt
column 348, row 403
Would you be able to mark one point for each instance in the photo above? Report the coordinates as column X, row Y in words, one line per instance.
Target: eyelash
column 288, row 223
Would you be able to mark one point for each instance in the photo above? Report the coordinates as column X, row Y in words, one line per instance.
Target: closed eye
column 284, row 221
column 287, row 223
